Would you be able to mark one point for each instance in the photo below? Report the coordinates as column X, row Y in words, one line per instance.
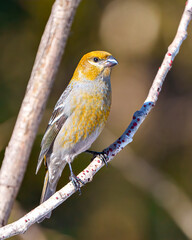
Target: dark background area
column 138, row 34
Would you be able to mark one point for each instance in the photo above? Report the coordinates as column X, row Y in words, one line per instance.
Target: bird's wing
column 56, row 122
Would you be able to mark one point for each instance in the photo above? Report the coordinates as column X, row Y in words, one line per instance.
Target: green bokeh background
column 110, row 207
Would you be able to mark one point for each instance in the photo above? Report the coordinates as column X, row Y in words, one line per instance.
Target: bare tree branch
column 87, row 174
column 36, row 231
column 43, row 74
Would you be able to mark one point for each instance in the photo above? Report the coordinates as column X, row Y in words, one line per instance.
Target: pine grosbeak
column 78, row 118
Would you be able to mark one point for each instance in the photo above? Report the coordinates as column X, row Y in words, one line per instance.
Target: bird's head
column 95, row 63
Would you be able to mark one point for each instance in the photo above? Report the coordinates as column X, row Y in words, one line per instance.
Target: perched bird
column 78, row 118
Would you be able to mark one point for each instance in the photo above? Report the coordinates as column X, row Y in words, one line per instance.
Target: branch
column 36, row 231
column 87, row 174
column 42, row 77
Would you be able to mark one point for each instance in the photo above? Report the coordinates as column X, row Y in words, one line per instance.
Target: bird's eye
column 95, row 59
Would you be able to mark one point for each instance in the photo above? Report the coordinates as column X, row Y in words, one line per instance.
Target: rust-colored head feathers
column 93, row 64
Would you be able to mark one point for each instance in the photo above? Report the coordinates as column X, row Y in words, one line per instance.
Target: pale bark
column 43, row 74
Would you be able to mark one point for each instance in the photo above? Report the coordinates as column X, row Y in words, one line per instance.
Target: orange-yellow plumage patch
column 86, row 118
column 91, row 71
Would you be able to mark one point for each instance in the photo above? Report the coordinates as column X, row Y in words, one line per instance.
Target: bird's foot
column 76, row 182
column 102, row 155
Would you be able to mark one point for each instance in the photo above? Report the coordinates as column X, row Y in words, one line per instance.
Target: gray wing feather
column 56, row 122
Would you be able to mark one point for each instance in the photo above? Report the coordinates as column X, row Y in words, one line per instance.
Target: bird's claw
column 104, row 158
column 102, row 155
column 76, row 182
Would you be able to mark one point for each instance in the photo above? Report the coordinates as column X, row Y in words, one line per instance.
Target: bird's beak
column 111, row 61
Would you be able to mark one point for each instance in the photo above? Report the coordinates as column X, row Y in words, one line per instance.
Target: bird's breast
column 90, row 112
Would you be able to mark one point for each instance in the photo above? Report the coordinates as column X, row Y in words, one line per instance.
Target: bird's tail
column 47, row 192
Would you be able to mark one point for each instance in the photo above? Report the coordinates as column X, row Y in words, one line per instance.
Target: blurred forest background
column 124, row 201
